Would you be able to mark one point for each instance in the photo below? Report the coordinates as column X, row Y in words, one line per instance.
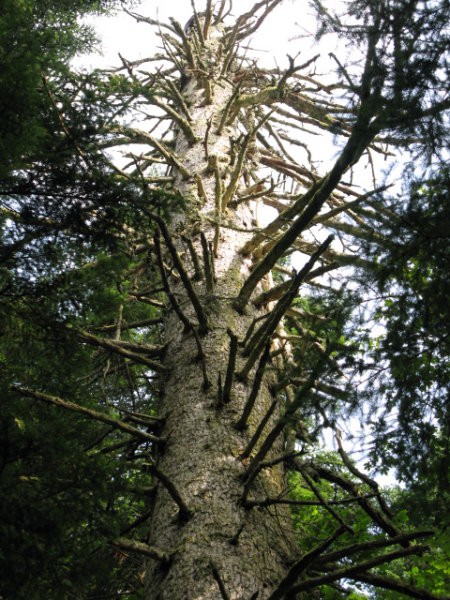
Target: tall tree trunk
column 221, row 542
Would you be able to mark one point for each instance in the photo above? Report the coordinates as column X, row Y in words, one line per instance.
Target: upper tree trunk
column 249, row 548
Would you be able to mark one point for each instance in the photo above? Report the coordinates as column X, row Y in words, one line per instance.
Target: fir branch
column 126, row 545
column 388, row 583
column 357, row 569
column 285, row 586
column 184, row 512
column 173, row 301
column 315, row 490
column 88, row 412
column 347, row 551
column 207, row 261
column 242, row 423
column 226, row 396
column 265, row 502
column 198, row 273
column 201, row 316
column 254, row 346
column 217, row 577
column 186, row 43
column 251, row 473
column 122, row 349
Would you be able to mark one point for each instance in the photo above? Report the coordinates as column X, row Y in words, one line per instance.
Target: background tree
column 166, row 319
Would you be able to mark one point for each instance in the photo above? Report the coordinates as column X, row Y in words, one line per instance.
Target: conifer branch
column 125, row 326
column 254, row 346
column 173, row 301
column 367, row 480
column 198, row 273
column 199, row 29
column 314, row 199
column 281, row 424
column 230, row 51
column 186, row 43
column 201, row 316
column 177, row 97
column 360, row 568
column 182, row 123
column 226, row 396
column 200, row 187
column 88, row 412
column 242, row 423
column 388, row 583
column 188, row 326
column 315, row 490
column 284, row 587
column 217, row 577
column 245, row 18
column 403, row 539
column 135, row 355
column 126, row 545
column 251, row 328
column 184, row 512
column 251, row 473
column 227, row 109
column 381, row 520
column 265, row 265
column 140, row 136
column 208, row 17
column 208, row 262
column 265, row 502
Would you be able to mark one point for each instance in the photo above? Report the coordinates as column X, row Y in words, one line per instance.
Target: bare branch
column 357, row 569
column 88, row 412
column 126, row 545
column 207, row 261
column 217, row 577
column 184, row 512
column 388, row 583
column 202, row 319
column 226, row 396
column 299, row 567
column 242, row 423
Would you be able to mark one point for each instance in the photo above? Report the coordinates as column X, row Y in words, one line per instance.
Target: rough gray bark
column 248, row 550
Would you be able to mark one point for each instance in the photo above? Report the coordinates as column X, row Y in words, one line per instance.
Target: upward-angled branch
column 357, row 569
column 245, row 19
column 202, row 319
column 256, row 343
column 299, row 567
column 351, row 153
column 388, row 583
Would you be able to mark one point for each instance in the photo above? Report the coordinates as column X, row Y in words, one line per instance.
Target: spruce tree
column 203, row 364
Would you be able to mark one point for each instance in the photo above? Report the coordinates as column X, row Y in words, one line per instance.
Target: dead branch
column 242, row 423
column 348, row 572
column 208, row 261
column 388, row 583
column 201, row 316
column 184, row 512
column 226, row 395
column 121, row 349
column 217, row 577
column 285, row 586
column 126, row 545
column 88, row 412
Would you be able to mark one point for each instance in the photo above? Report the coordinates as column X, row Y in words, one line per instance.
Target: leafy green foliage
column 412, row 278
column 37, row 38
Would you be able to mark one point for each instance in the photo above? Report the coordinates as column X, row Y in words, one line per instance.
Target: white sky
column 120, row 33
